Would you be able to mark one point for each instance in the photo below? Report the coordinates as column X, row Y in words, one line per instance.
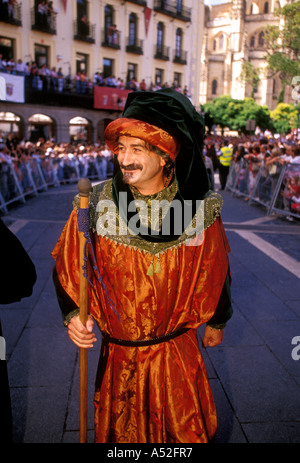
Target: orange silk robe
column 158, row 393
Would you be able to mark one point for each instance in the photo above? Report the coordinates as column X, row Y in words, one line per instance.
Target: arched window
column 214, row 87
column 266, row 7
column 40, row 126
column 252, row 41
column 10, row 123
column 80, row 129
column 261, row 39
column 254, row 8
column 132, row 29
column 214, row 45
column 221, row 42
column 178, row 42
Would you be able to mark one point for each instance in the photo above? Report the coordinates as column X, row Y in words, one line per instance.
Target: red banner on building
column 147, row 13
column 110, row 98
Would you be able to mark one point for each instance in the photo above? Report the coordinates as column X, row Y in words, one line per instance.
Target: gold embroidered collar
column 115, row 229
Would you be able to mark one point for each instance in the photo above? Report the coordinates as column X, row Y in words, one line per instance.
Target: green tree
column 222, row 110
column 283, row 44
column 251, row 110
column 250, row 75
column 226, row 111
column 284, row 117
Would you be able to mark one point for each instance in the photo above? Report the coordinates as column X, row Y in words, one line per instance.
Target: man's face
column 141, row 168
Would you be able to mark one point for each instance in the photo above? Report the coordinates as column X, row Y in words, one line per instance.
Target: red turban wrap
column 142, row 130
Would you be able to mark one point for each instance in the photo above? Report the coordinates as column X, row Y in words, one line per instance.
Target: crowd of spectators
column 44, row 13
column 134, row 85
column 257, row 162
column 26, row 166
column 66, row 162
column 44, row 78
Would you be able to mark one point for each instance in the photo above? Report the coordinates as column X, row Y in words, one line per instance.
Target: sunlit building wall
column 233, row 35
column 157, row 41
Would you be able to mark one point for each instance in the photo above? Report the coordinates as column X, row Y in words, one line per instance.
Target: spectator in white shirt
column 291, row 155
column 20, row 68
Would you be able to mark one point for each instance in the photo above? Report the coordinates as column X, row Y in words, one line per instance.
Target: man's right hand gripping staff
column 82, row 336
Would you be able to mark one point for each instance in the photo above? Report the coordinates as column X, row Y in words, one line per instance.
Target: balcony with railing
column 42, row 22
column 162, row 52
column 65, row 98
column 134, row 45
column 84, row 31
column 111, row 40
column 11, row 13
column 180, row 57
column 174, row 9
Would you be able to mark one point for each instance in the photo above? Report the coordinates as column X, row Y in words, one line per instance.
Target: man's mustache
column 131, row 167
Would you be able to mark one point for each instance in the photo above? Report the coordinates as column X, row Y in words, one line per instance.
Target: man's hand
column 212, row 337
column 81, row 335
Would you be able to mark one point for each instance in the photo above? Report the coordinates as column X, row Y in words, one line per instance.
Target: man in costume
column 150, row 289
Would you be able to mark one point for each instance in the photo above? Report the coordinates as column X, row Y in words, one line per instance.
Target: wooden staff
column 84, row 187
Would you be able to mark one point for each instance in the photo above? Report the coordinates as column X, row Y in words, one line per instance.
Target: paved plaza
column 254, row 373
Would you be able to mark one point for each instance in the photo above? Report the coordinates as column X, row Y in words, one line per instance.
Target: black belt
column 144, row 342
column 106, row 339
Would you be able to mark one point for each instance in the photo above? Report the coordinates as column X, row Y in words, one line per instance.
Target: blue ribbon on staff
column 83, row 218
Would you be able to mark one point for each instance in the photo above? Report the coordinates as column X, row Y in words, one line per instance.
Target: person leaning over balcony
column 20, row 68
column 42, row 15
column 84, row 26
column 157, row 283
column 112, row 34
column 12, row 9
column 143, row 86
column 51, row 12
column 60, row 80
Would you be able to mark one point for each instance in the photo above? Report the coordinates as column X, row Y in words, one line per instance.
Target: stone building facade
column 233, row 34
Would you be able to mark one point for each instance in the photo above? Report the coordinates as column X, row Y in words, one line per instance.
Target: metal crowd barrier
column 19, row 179
column 238, row 178
column 277, row 190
